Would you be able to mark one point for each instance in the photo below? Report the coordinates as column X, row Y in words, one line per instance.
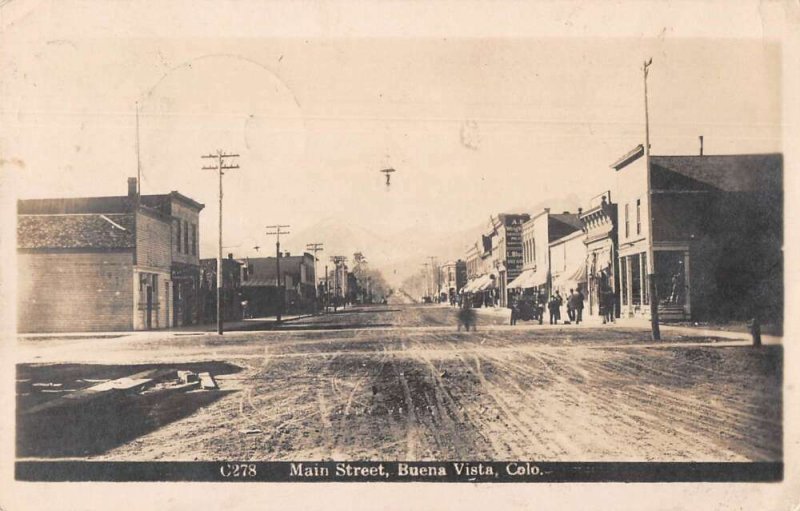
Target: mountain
column 398, row 254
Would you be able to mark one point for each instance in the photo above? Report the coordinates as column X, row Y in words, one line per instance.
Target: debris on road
column 207, row 381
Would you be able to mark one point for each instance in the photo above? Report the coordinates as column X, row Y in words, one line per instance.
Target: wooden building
column 714, row 234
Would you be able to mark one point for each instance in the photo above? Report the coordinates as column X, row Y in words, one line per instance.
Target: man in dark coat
column 578, row 305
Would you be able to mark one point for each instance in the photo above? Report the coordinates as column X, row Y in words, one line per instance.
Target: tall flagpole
column 138, row 158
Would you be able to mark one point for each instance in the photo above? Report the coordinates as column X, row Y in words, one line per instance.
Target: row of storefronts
column 707, row 230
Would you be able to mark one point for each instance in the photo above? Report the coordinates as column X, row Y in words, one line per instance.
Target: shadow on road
column 94, row 427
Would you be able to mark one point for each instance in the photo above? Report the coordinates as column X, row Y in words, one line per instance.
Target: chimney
column 288, row 254
column 132, row 188
column 230, row 255
column 580, row 210
column 701, row 145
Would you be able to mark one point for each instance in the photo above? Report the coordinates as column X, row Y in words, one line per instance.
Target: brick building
column 97, row 263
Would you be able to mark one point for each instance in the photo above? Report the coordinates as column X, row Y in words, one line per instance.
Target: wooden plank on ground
column 207, row 381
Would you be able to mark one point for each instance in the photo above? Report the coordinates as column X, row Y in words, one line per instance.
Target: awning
column 468, row 286
column 521, row 282
column 572, row 277
column 579, row 275
column 528, row 279
column 478, row 284
column 485, row 283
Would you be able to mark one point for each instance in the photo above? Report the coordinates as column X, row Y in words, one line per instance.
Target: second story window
column 627, row 221
column 194, row 239
column 638, row 216
column 179, row 236
column 185, row 237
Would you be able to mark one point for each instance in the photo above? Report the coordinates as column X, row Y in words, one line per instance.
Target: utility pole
column 427, row 280
column 221, row 166
column 651, row 277
column 278, row 288
column 327, row 292
column 315, row 247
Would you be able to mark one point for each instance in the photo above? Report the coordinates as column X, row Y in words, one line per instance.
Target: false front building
column 714, row 235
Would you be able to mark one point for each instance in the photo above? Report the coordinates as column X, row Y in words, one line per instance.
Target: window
column 627, row 222
column 645, row 290
column 623, row 279
column 638, row 216
column 636, row 279
column 185, row 237
column 179, row 237
column 194, row 239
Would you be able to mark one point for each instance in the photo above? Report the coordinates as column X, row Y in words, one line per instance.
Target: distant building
column 261, row 289
column 568, row 264
column 600, row 224
column 107, row 263
column 716, row 239
column 496, row 259
column 454, row 277
column 538, row 233
column 231, row 289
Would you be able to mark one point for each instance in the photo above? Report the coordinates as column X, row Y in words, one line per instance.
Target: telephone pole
column 651, row 276
column 221, row 166
column 427, row 280
column 278, row 288
column 315, row 247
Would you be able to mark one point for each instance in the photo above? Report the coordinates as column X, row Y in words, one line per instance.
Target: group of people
column 574, row 306
column 574, row 302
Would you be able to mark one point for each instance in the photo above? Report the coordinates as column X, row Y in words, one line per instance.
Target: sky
column 474, row 125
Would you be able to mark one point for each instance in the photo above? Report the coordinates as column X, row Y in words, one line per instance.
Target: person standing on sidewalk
column 513, row 304
column 552, row 306
column 578, row 306
column 571, row 306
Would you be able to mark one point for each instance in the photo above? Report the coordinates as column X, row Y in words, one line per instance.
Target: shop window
column 646, row 287
column 670, row 277
column 623, row 279
column 636, row 279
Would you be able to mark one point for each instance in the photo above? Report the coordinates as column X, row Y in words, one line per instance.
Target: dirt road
column 404, row 385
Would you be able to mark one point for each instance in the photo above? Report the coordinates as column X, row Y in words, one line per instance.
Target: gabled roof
column 728, row 173
column 92, row 231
